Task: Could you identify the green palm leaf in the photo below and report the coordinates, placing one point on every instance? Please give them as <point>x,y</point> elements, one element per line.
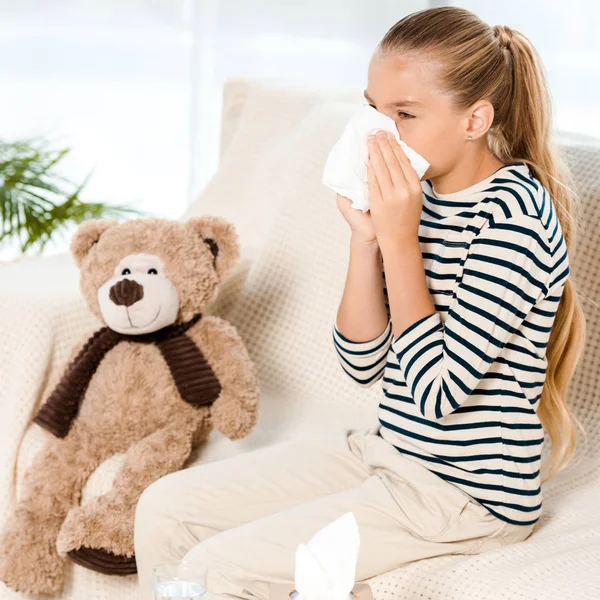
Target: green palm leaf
<point>36,202</point>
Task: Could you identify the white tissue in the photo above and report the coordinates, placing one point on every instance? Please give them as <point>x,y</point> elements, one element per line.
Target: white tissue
<point>346,167</point>
<point>326,565</point>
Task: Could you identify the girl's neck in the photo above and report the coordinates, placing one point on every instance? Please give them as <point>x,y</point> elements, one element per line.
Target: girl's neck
<point>466,173</point>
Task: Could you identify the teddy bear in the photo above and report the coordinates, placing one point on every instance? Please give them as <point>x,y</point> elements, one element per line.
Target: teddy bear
<point>151,384</point>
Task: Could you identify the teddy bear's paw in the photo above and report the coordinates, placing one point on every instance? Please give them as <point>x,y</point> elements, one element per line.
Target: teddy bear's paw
<point>99,536</point>
<point>33,568</point>
<point>231,420</point>
<point>103,561</point>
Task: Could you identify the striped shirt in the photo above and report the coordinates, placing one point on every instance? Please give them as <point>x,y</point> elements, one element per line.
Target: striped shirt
<point>461,386</point>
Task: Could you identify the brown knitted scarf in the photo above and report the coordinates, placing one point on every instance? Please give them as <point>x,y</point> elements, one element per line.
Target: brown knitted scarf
<point>193,376</point>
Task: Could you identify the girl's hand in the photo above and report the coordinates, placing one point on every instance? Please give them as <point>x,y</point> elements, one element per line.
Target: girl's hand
<point>360,222</point>
<point>395,194</point>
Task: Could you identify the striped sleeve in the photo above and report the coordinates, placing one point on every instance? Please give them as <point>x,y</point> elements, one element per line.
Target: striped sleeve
<point>364,362</point>
<point>506,272</point>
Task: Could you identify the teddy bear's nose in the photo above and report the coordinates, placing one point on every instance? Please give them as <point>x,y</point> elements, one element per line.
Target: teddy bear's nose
<point>126,292</point>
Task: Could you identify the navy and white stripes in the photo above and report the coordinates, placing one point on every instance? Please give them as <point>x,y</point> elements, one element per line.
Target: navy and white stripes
<point>462,385</point>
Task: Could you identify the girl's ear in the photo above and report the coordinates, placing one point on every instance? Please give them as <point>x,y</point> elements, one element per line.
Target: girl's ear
<point>221,240</point>
<point>86,235</point>
<point>481,118</point>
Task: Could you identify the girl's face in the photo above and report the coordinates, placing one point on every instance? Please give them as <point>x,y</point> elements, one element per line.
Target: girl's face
<point>404,89</point>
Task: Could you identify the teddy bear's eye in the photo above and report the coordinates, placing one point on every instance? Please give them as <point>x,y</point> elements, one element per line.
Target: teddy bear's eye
<point>125,272</point>
<point>152,272</point>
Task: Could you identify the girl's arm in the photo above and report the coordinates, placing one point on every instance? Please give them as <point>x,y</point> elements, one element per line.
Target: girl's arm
<point>362,333</point>
<point>408,291</point>
<point>508,270</point>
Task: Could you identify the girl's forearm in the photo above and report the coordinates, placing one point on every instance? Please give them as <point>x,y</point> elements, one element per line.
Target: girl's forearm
<point>362,315</point>
<point>408,293</point>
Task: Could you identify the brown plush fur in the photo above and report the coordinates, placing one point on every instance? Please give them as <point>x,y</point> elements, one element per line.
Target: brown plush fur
<point>131,406</point>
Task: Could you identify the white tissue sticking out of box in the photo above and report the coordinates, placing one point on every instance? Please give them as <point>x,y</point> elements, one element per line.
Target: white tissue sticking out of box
<point>326,564</point>
<point>346,166</point>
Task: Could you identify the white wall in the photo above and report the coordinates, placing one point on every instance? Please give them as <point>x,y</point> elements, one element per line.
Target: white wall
<point>566,35</point>
<point>134,86</point>
<point>317,42</point>
<point>111,80</point>
<point>331,42</point>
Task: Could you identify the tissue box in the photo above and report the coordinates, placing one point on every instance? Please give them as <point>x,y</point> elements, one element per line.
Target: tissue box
<point>282,591</point>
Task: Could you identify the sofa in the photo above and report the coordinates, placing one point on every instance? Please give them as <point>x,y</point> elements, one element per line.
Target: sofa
<point>283,298</point>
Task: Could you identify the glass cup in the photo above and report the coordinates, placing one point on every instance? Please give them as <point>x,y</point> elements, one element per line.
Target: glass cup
<point>179,581</point>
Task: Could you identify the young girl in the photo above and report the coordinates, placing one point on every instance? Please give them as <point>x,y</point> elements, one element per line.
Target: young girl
<point>458,295</point>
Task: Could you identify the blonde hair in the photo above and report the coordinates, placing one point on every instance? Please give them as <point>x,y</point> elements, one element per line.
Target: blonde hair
<point>477,61</point>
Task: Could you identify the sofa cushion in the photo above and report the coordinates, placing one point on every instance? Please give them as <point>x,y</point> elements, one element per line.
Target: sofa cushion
<point>584,389</point>
<point>260,117</point>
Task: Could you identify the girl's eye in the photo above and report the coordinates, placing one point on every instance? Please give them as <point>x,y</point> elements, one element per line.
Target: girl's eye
<point>125,272</point>
<point>407,115</point>
<point>152,272</point>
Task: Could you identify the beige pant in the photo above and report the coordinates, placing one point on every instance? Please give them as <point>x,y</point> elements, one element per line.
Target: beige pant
<point>242,518</point>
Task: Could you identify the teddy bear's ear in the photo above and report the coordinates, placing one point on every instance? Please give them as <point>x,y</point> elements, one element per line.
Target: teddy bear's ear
<point>222,240</point>
<point>86,235</point>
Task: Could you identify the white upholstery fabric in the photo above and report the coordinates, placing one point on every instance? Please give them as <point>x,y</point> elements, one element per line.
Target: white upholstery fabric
<point>283,300</point>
